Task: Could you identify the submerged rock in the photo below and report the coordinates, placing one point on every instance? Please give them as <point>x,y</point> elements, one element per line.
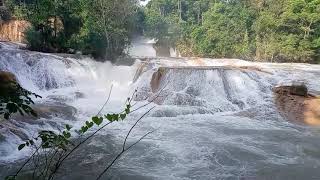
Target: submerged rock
<point>49,111</point>
<point>66,98</point>
<point>48,114</point>
<point>45,71</point>
<point>13,128</point>
<point>296,105</point>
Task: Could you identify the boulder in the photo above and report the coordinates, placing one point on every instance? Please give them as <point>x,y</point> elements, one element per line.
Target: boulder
<point>8,83</point>
<point>141,69</point>
<point>298,90</point>
<point>156,79</point>
<point>6,78</point>
<point>66,98</point>
<point>79,95</point>
<point>297,105</point>
<point>47,111</point>
<point>13,128</point>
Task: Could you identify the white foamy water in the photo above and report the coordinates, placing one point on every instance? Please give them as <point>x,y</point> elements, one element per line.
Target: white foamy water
<point>215,120</point>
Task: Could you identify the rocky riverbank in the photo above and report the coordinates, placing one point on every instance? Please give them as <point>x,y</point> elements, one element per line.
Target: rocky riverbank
<point>298,105</point>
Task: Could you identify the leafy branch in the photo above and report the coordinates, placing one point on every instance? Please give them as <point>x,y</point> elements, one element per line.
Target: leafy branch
<point>59,146</point>
<point>14,98</point>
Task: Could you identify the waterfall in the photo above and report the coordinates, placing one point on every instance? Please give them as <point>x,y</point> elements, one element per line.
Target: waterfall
<point>64,84</point>
<point>213,118</point>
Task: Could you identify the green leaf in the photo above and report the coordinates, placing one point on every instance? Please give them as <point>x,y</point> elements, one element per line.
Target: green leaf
<point>21,146</point>
<point>89,124</point>
<point>45,145</point>
<point>84,129</point>
<point>68,127</point>
<point>10,178</point>
<point>109,117</point>
<point>123,116</point>
<point>127,110</point>
<point>12,107</point>
<point>115,117</point>
<point>66,134</point>
<point>97,120</point>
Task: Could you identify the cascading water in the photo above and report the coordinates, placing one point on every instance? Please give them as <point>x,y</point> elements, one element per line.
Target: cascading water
<point>63,83</point>
<point>214,119</point>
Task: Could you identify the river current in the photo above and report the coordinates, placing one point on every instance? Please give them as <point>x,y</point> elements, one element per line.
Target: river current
<point>213,119</point>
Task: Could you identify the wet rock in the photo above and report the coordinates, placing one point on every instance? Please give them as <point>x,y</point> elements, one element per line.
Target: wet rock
<point>185,100</point>
<point>46,114</point>
<point>160,98</point>
<point>298,90</point>
<point>2,138</point>
<point>141,69</point>
<point>79,95</point>
<point>192,91</point>
<point>19,133</point>
<point>296,105</point>
<point>6,77</point>
<point>49,111</point>
<point>9,126</point>
<point>60,110</point>
<point>8,82</point>
<point>66,98</point>
<point>239,103</point>
<point>156,79</point>
<point>59,98</point>
<point>38,67</point>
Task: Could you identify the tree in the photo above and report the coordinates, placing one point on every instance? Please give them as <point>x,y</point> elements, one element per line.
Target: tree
<point>98,27</point>
<point>224,32</point>
<point>110,21</point>
<point>263,30</point>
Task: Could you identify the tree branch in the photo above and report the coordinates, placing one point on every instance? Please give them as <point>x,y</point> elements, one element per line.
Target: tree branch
<point>135,124</point>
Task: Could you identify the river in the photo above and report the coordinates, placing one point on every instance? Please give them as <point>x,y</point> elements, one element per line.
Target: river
<point>213,119</point>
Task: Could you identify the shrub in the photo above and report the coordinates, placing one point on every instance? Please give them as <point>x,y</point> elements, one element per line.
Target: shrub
<point>34,39</point>
<point>5,14</point>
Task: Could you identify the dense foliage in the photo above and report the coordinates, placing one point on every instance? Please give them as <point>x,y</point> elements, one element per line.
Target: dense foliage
<point>98,27</point>
<point>5,14</point>
<point>263,30</point>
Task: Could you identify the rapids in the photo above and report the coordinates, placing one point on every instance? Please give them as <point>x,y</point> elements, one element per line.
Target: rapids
<point>213,119</point>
